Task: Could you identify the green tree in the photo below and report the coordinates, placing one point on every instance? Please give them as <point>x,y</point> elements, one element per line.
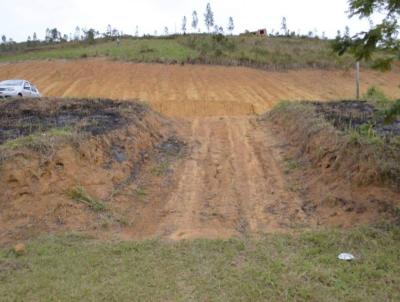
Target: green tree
<point>77,34</point>
<point>4,39</point>
<point>108,31</point>
<point>383,36</point>
<point>231,25</point>
<point>284,26</point>
<point>55,35</point>
<point>195,20</point>
<point>184,22</point>
<point>209,17</point>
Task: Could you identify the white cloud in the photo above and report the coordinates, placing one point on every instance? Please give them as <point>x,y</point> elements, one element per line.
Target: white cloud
<point>21,18</point>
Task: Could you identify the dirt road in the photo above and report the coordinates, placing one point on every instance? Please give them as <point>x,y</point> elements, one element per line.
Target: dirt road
<point>194,90</point>
<point>232,184</point>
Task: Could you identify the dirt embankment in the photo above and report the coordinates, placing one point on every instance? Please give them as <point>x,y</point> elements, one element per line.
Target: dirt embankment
<point>194,90</point>
<point>63,163</point>
<point>344,173</point>
<point>120,170</point>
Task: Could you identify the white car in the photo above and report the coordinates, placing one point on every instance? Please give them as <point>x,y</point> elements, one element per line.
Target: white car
<point>18,88</point>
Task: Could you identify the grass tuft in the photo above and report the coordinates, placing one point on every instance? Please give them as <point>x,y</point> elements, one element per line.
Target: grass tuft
<point>80,195</point>
<point>39,141</point>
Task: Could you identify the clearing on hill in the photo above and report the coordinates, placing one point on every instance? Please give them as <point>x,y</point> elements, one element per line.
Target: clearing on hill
<point>194,90</point>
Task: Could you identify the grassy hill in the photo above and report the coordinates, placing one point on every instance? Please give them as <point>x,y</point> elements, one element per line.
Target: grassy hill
<point>267,53</point>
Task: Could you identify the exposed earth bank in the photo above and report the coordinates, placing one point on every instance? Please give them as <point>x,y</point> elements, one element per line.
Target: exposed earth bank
<point>120,170</point>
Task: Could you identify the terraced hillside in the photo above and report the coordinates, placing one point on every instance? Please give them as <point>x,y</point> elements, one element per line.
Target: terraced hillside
<point>194,90</point>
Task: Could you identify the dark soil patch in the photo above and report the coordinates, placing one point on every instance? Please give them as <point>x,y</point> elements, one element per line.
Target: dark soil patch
<point>172,146</point>
<point>95,116</point>
<point>353,114</point>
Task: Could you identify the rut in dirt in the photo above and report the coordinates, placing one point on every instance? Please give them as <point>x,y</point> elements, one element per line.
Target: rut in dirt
<point>232,184</point>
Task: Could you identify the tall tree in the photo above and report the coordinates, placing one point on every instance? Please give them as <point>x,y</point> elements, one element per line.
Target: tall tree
<point>209,17</point>
<point>77,34</point>
<point>381,36</point>
<point>231,25</point>
<point>48,35</point>
<point>166,30</point>
<point>284,26</point>
<point>347,31</point>
<point>4,39</point>
<point>108,31</point>
<point>184,22</point>
<point>195,20</point>
<point>137,31</point>
<point>34,39</point>
<point>90,35</point>
<point>55,35</point>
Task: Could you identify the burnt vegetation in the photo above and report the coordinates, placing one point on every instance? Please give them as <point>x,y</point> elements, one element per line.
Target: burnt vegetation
<point>19,118</point>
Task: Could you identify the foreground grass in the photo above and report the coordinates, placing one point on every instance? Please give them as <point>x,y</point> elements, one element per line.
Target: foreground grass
<point>275,268</point>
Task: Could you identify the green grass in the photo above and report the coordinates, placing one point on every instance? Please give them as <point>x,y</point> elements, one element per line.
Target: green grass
<point>143,50</point>
<point>80,195</point>
<point>275,268</point>
<point>270,53</point>
<point>38,140</point>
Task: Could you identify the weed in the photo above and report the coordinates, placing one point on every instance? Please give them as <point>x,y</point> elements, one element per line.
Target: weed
<point>80,195</point>
<point>39,141</point>
<point>141,192</point>
<point>160,169</point>
<point>365,134</point>
<point>290,165</point>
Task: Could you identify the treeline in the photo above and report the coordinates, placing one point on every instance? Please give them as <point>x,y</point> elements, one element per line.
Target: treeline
<point>54,35</point>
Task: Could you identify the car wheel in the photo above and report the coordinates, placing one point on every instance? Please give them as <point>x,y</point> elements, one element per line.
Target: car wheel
<point>20,95</point>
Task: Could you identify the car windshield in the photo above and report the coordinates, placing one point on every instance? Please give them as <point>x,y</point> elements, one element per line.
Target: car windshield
<point>11,83</point>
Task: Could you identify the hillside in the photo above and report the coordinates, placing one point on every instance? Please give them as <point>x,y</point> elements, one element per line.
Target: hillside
<point>267,53</point>
<point>194,90</point>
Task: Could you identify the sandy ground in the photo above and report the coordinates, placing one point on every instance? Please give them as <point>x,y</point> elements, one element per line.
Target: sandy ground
<point>232,184</point>
<point>194,90</point>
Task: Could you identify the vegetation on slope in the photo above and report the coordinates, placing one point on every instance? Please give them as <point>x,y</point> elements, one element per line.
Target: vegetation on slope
<point>353,136</point>
<point>268,53</point>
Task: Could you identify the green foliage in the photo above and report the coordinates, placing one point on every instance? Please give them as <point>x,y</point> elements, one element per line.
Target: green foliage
<point>80,195</point>
<point>383,36</point>
<point>365,134</point>
<point>377,97</point>
<point>209,17</point>
<point>270,53</point>
<point>40,140</point>
<point>301,267</point>
<point>389,109</point>
<point>393,112</point>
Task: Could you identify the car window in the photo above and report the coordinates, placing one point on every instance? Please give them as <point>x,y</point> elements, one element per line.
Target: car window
<point>27,86</point>
<point>11,83</point>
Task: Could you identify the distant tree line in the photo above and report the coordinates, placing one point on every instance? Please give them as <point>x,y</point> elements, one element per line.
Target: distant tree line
<point>53,35</point>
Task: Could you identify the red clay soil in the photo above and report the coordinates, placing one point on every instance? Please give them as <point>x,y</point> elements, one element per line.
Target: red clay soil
<point>194,90</point>
<point>220,174</point>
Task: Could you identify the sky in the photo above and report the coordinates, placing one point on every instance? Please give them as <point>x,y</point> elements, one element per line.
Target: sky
<point>21,18</point>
